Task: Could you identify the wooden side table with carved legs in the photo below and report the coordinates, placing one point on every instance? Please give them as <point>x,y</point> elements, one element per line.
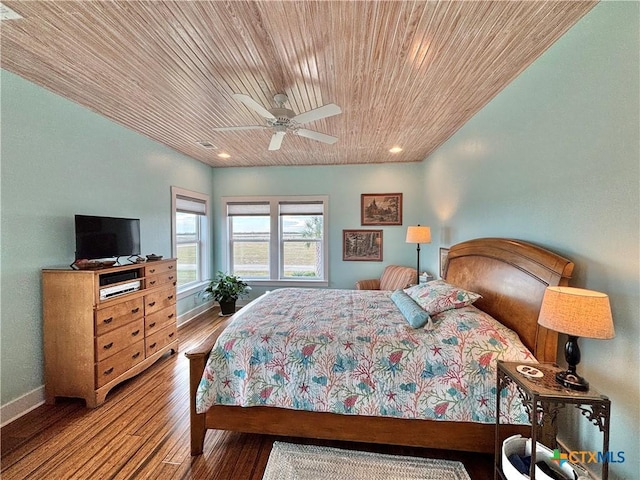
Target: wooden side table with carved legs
<point>543,398</point>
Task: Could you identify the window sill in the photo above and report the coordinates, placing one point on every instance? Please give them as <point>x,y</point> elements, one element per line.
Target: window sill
<point>288,283</point>
<point>192,289</point>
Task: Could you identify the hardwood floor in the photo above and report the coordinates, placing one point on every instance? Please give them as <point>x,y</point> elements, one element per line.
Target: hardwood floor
<point>142,431</point>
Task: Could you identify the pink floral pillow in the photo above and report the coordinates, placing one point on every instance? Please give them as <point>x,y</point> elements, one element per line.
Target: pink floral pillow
<point>439,296</point>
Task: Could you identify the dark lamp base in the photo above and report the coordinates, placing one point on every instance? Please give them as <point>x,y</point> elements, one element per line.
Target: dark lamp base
<point>571,380</point>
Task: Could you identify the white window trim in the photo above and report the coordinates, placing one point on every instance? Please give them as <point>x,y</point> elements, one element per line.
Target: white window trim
<point>193,288</point>
<point>274,261</point>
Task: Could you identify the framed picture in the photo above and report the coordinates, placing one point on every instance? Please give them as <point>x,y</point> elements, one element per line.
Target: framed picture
<point>381,209</point>
<point>443,260</point>
<point>362,245</point>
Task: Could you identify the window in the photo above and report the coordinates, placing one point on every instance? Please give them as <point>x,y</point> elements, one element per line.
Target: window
<point>190,233</point>
<point>277,239</point>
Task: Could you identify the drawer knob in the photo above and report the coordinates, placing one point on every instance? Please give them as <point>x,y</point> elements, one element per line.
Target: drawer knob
<point>108,346</point>
<point>151,325</point>
<point>108,371</point>
<point>171,335</point>
<point>133,334</point>
<point>170,315</point>
<point>153,345</point>
<point>153,270</point>
<point>135,355</point>
<point>135,310</point>
<point>169,297</point>
<point>151,304</point>
<point>170,267</point>
<point>152,282</point>
<point>171,277</point>
<point>108,320</point>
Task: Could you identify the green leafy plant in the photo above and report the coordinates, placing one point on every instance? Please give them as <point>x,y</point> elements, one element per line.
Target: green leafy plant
<point>226,288</point>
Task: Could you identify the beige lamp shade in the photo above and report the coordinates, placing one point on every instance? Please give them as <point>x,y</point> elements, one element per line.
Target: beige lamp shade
<point>418,234</point>
<point>577,312</point>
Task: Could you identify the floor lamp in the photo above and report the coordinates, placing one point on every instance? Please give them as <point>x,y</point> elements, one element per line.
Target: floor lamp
<point>418,235</point>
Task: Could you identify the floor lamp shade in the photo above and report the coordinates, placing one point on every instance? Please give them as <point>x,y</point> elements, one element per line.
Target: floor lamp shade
<point>418,234</point>
<point>578,313</point>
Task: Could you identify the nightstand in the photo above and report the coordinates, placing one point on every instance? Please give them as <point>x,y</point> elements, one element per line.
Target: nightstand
<point>542,398</point>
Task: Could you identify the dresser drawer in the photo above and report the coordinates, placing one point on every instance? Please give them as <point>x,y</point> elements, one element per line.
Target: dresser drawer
<point>159,299</point>
<point>158,320</point>
<point>159,339</point>
<point>112,342</point>
<point>156,268</point>
<point>162,279</point>
<point>117,364</point>
<point>115,316</point>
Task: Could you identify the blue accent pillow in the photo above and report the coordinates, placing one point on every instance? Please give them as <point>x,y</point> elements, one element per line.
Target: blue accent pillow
<point>416,316</point>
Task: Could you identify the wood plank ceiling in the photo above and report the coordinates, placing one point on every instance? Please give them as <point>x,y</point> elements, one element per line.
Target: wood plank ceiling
<point>405,73</point>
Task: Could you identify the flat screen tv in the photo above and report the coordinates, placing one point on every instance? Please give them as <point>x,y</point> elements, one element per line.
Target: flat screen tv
<point>106,237</point>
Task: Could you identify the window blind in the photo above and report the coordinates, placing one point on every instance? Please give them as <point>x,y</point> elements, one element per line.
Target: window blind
<point>190,205</point>
<point>248,209</point>
<point>301,208</point>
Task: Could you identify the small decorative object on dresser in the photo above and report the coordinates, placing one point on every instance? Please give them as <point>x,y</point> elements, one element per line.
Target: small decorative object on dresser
<point>104,326</point>
<point>226,289</point>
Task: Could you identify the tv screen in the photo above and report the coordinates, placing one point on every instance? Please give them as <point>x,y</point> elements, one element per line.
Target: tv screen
<point>105,237</point>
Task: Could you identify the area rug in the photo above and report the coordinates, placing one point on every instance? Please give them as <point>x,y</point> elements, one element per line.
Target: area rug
<point>289,461</point>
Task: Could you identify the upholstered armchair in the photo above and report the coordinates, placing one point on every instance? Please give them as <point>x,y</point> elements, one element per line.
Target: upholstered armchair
<point>394,277</point>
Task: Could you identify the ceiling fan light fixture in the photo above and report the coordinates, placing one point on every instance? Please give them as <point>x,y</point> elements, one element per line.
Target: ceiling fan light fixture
<point>282,120</point>
<point>395,149</point>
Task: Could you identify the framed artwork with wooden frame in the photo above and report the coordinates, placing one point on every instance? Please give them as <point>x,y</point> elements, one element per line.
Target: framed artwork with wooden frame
<point>362,245</point>
<point>381,209</point>
<point>444,252</point>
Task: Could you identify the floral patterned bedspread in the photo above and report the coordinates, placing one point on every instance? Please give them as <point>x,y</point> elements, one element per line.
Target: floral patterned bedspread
<point>352,352</point>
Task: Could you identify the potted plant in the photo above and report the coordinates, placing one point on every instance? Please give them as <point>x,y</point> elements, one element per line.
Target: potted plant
<point>226,289</point>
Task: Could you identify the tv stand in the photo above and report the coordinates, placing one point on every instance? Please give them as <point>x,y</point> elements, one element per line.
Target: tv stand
<point>94,341</point>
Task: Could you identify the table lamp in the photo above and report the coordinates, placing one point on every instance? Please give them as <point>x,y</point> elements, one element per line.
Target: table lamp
<point>578,313</point>
<point>418,234</point>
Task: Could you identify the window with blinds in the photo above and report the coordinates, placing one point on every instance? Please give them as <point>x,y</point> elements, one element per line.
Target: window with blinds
<point>277,238</point>
<point>190,236</point>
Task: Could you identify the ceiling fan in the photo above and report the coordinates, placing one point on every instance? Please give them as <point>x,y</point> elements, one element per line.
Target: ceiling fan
<point>283,120</point>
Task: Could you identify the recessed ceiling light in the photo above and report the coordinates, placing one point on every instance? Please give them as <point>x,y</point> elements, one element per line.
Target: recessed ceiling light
<point>395,150</point>
<point>224,155</point>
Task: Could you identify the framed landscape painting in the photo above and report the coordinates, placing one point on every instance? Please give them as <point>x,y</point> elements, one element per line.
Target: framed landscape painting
<point>381,208</point>
<point>362,245</point>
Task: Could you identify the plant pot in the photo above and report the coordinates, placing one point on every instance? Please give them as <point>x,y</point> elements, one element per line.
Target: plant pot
<point>227,308</point>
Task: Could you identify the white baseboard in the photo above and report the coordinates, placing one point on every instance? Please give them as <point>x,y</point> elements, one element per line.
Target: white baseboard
<point>193,313</point>
<point>21,406</point>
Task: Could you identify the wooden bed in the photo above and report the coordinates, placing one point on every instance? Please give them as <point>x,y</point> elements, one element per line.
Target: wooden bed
<point>510,275</point>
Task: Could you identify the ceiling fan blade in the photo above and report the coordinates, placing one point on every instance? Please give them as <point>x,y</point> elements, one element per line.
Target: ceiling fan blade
<point>240,127</point>
<point>252,104</point>
<point>276,141</point>
<point>320,137</point>
<point>324,111</point>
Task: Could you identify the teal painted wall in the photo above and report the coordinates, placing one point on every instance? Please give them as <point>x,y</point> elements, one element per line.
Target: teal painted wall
<point>59,159</point>
<point>343,185</point>
<point>554,159</point>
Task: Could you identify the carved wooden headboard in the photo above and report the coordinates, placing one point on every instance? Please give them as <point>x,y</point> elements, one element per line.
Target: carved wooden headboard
<point>511,276</point>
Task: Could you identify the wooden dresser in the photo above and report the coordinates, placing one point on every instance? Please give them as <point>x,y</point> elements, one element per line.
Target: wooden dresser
<point>104,326</point>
